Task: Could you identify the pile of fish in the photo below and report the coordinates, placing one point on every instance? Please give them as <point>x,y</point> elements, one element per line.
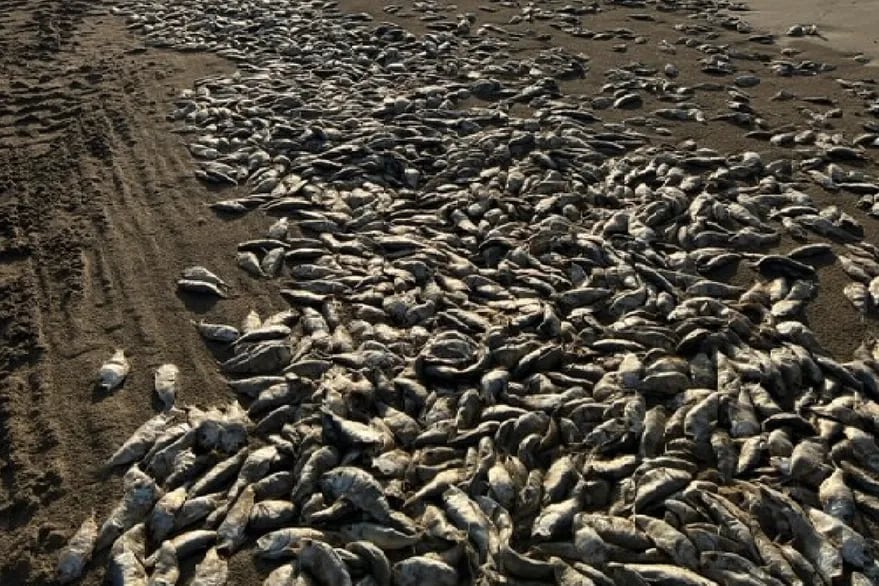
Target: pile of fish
<point>507,356</point>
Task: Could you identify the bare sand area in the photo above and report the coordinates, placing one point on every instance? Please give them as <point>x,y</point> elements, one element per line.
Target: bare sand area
<point>848,26</point>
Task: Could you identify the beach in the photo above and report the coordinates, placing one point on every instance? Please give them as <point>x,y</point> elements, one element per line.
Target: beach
<point>100,210</point>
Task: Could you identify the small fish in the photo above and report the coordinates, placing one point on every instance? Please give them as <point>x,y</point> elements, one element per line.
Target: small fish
<point>187,544</point>
<point>250,263</point>
<point>360,488</point>
<point>126,555</point>
<point>200,287</point>
<point>381,535</point>
<point>375,558</point>
<point>284,543</point>
<point>273,260</point>
<point>211,571</point>
<point>837,498</point>
<point>278,230</point>
<point>166,571</point>
<point>199,273</point>
<point>424,570</point>
<point>162,517</point>
<point>271,514</point>
<point>251,322</point>
<point>78,551</point>
<point>217,332</point>
<point>166,384</point>
<point>140,441</point>
<point>113,372</point>
<point>322,561</point>
<point>284,575</point>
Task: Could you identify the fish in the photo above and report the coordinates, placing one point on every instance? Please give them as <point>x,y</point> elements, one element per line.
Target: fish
<point>359,488</point>
<point>212,570</point>
<point>324,563</point>
<point>166,384</point>
<point>201,287</point>
<point>217,332</point>
<point>78,551</point>
<point>140,442</point>
<point>114,371</point>
<point>200,273</point>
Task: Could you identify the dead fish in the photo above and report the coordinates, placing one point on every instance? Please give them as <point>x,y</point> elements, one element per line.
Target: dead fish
<point>376,560</point>
<point>113,372</point>
<point>324,563</point>
<point>657,574</point>
<point>211,571</point>
<point>271,514</point>
<point>285,543</point>
<point>358,487</point>
<point>272,261</point>
<point>126,555</point>
<point>837,498</point>
<point>199,273</point>
<point>166,384</point>
<point>166,571</point>
<point>278,230</point>
<point>217,332</point>
<point>200,288</point>
<point>424,571</point>
<point>197,508</point>
<point>221,474</point>
<point>556,519</point>
<point>143,438</point>
<point>251,322</point>
<point>164,514</point>
<point>261,358</point>
<point>588,544</point>
<point>187,544</point>
<point>467,516</point>
<point>255,385</point>
<point>387,538</point>
<point>671,541</point>
<point>250,263</point>
<point>853,547</point>
<point>859,296</point>
<point>230,533</point>
<point>313,468</point>
<point>78,551</point>
<point>658,483</point>
<point>141,493</point>
<point>283,575</point>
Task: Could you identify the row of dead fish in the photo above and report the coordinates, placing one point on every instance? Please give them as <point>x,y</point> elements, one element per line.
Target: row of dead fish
<point>508,357</point>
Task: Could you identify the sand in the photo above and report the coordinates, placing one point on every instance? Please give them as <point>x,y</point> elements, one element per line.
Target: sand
<point>848,26</point>
<point>99,211</point>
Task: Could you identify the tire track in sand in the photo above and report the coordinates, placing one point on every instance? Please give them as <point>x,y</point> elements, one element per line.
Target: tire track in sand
<point>98,213</point>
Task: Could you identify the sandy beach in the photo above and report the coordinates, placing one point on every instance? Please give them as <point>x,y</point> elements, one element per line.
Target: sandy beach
<point>100,212</point>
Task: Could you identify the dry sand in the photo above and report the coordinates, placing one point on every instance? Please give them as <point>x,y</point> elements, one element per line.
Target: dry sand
<point>848,26</point>
<point>99,211</point>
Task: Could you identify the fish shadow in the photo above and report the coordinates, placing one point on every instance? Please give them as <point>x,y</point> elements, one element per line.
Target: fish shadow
<point>100,394</point>
<point>725,273</point>
<point>220,352</point>
<point>197,303</point>
<point>228,216</point>
<point>820,261</point>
